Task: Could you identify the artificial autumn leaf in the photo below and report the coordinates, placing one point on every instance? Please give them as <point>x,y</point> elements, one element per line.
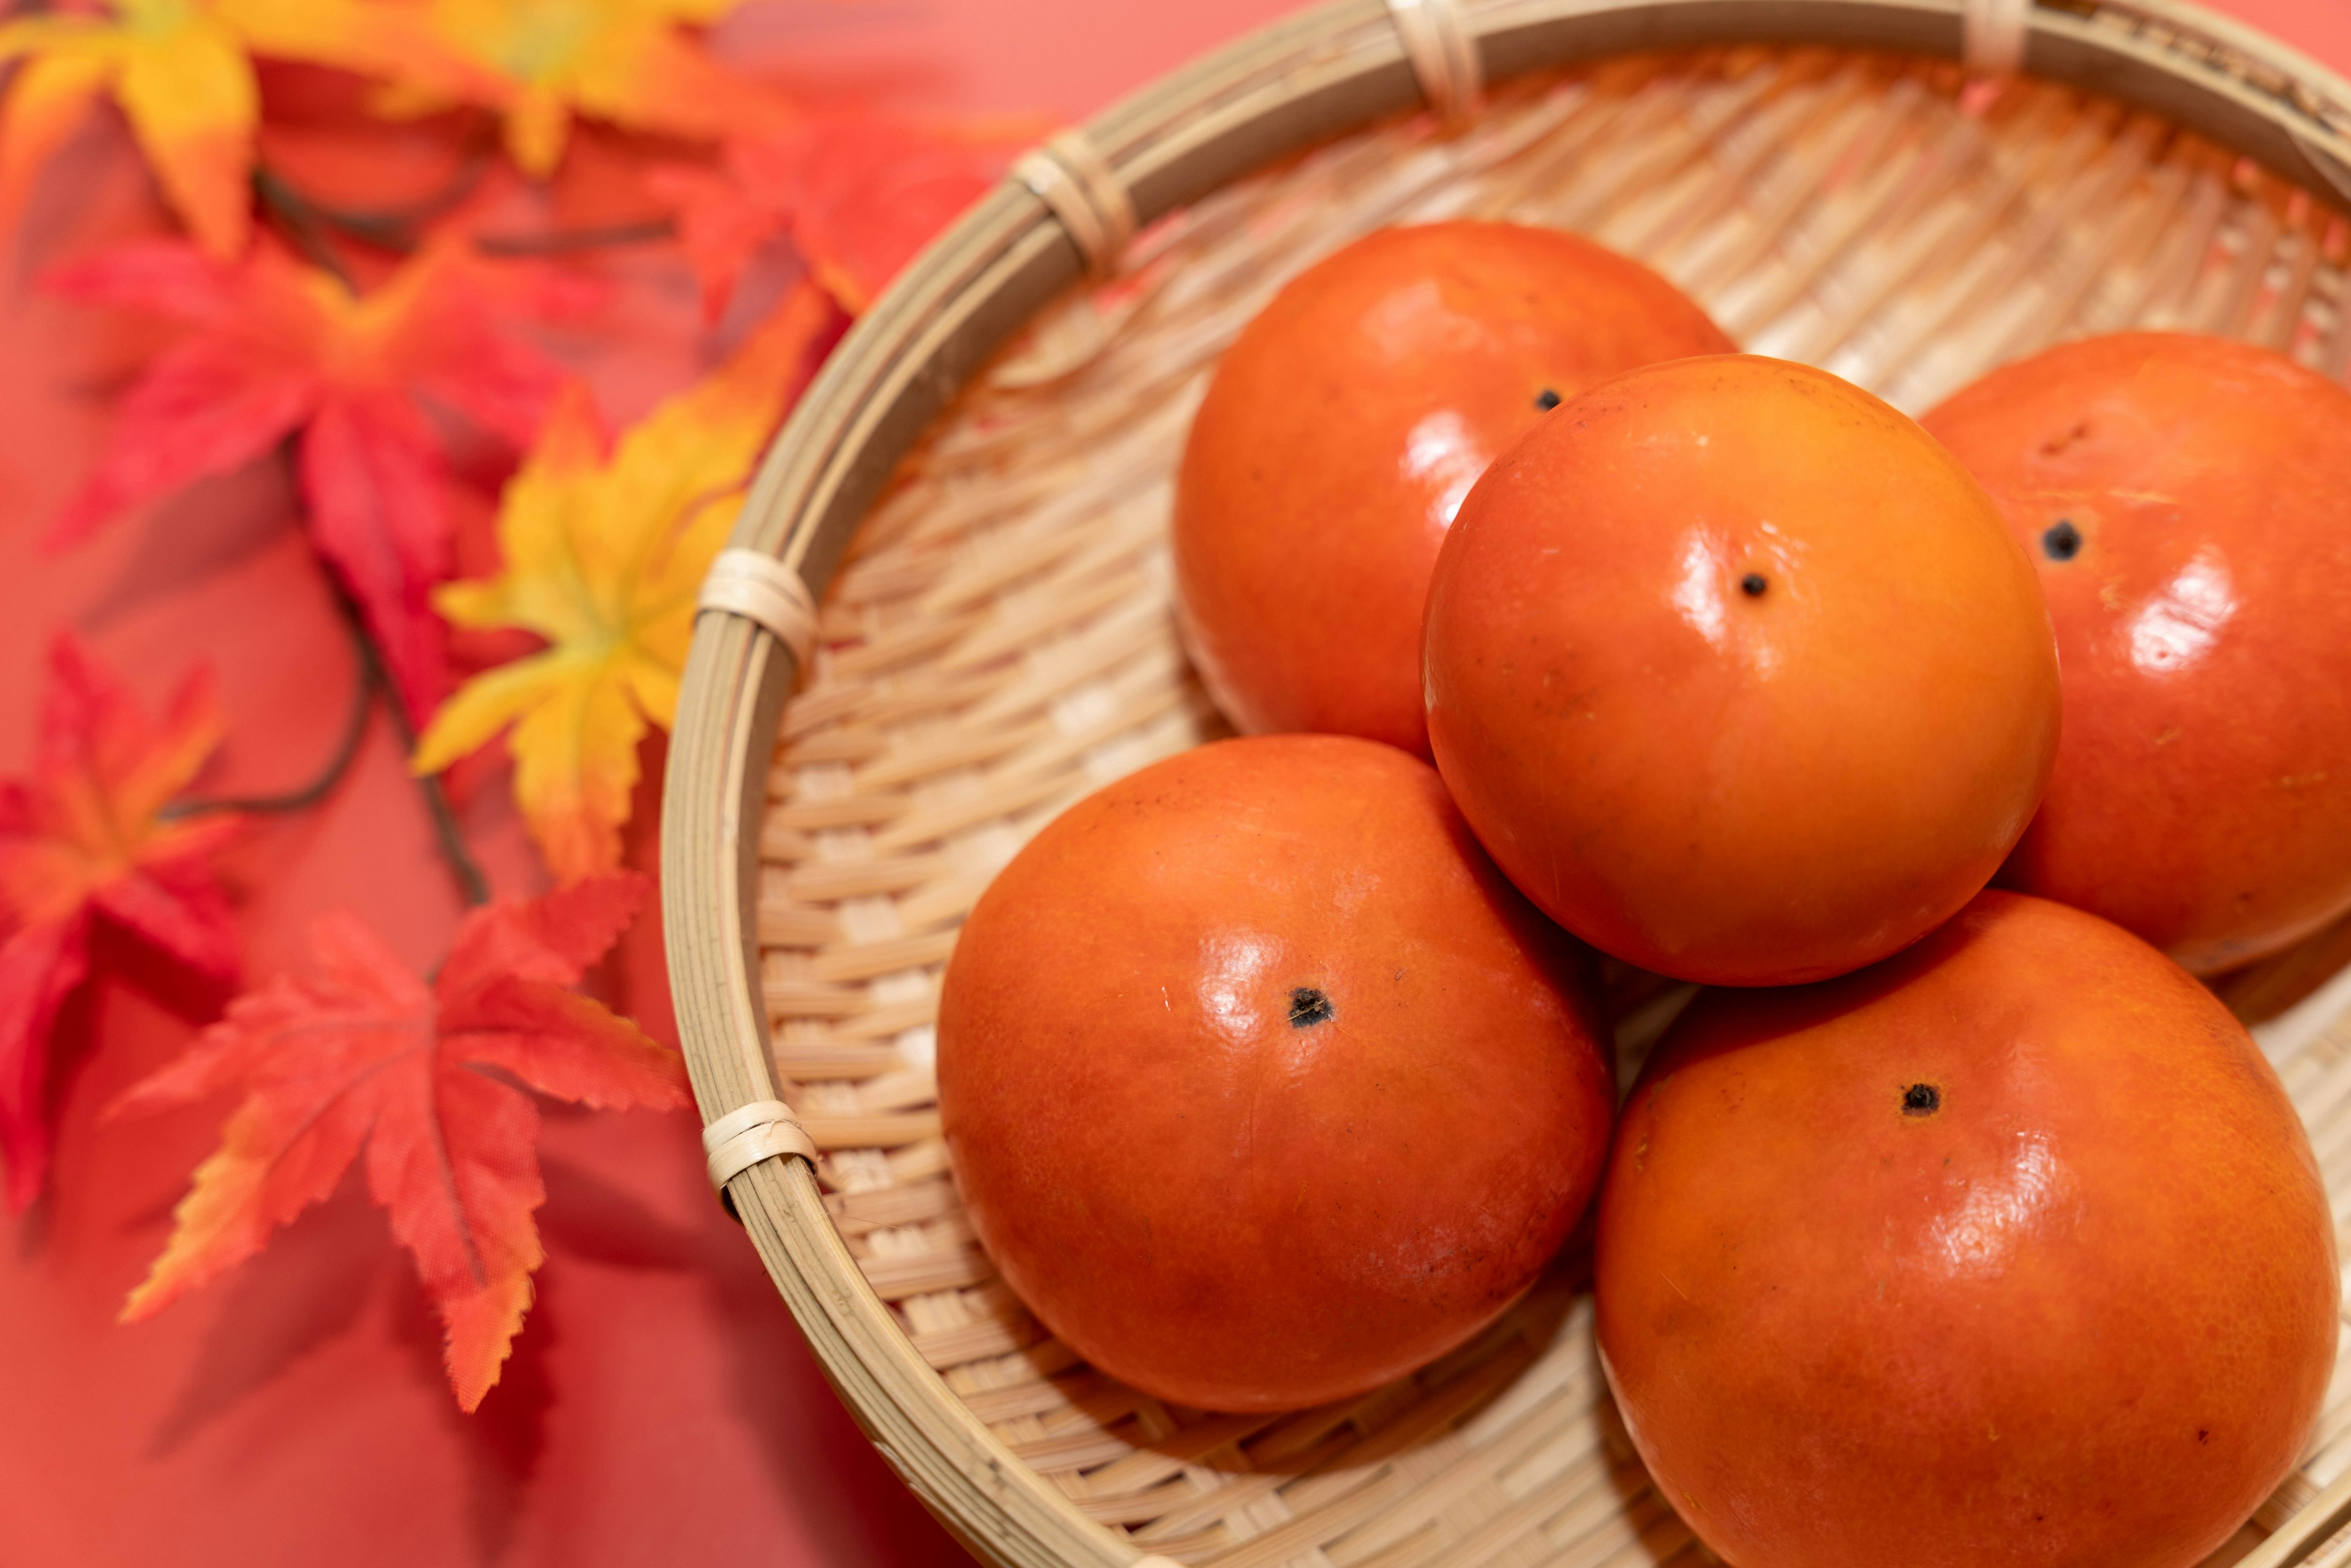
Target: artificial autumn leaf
<point>182,72</point>
<point>365,1053</point>
<point>602,558</point>
<point>279,347</point>
<point>181,77</point>
<point>622,60</point>
<point>82,841</point>
<point>859,195</point>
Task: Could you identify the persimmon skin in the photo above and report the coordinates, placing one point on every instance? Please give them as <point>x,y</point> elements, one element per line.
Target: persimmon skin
<point>2202,796</point>
<point>1261,1086</point>
<point>2080,1313</point>
<point>1738,674</point>
<point>1342,428</point>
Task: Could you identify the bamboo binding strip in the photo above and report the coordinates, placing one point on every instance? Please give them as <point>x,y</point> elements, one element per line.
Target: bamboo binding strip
<point>1068,175</point>
<point>997,643</point>
<point>1992,40</point>
<point>766,593</point>
<point>763,1130</point>
<point>1442,52</point>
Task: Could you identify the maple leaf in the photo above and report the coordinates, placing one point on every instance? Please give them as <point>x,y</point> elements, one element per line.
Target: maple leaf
<point>82,842</point>
<point>182,73</point>
<point>537,61</point>
<point>363,1053</point>
<point>859,193</point>
<point>280,348</point>
<point>602,558</point>
<point>182,80</point>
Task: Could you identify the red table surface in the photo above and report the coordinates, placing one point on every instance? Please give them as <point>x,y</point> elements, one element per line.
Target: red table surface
<point>660,1406</point>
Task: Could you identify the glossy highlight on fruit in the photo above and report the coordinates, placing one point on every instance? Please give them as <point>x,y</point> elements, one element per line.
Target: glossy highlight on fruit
<point>1260,1084</point>
<point>1738,674</point>
<point>2187,503</point>
<point>1344,427</point>
<point>2009,1249</point>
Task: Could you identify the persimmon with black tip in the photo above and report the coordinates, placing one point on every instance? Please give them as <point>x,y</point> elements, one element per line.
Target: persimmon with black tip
<point>2187,503</point>
<point>1738,674</point>
<point>2009,1249</point>
<point>1261,1085</point>
<point>1342,428</point>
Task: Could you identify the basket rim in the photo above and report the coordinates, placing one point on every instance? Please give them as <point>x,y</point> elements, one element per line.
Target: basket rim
<point>1299,79</point>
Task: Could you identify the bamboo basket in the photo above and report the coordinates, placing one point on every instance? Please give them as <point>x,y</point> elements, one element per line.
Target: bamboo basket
<point>978,485</point>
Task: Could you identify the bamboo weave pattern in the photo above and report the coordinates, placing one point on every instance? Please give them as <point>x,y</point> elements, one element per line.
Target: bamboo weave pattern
<point>1000,643</point>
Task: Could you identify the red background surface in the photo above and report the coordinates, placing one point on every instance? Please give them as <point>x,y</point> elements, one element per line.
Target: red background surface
<point>660,1406</point>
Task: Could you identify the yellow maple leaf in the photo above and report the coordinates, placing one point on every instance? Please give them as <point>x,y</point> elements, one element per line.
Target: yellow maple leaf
<point>603,556</point>
<point>182,73</point>
<point>622,60</point>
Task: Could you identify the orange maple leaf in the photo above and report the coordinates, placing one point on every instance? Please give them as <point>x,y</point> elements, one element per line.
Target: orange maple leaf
<point>279,347</point>
<point>603,560</point>
<point>84,840</point>
<point>182,72</point>
<point>367,1055</point>
<point>859,193</point>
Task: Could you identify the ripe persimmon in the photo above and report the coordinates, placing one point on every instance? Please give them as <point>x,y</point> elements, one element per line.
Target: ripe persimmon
<point>1738,674</point>
<point>1341,431</point>
<point>2188,502</point>
<point>2009,1249</point>
<point>1261,1085</point>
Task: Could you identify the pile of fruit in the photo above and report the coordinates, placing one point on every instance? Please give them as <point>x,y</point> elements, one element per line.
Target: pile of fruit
<point>1946,1225</point>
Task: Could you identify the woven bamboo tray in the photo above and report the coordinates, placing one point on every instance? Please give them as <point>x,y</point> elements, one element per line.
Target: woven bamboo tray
<point>978,484</point>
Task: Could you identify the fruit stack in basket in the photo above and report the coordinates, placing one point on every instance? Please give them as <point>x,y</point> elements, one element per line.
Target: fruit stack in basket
<point>1949,1224</point>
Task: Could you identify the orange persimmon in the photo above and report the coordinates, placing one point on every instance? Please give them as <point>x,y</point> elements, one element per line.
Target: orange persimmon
<point>2187,501</point>
<point>1341,431</point>
<point>1738,674</point>
<point>1262,1087</point>
<point>2009,1249</point>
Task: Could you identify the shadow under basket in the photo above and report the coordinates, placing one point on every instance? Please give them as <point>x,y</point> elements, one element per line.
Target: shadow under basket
<point>978,486</point>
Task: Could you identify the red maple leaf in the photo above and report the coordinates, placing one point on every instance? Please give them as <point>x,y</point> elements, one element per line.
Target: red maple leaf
<point>82,842</point>
<point>367,1054</point>
<point>859,193</point>
<point>280,348</point>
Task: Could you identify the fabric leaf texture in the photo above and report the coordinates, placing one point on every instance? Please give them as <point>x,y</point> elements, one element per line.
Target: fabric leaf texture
<point>182,80</point>
<point>278,348</point>
<point>603,557</point>
<point>182,72</point>
<point>858,193</point>
<point>361,1058</point>
<point>83,840</point>
<point>539,62</point>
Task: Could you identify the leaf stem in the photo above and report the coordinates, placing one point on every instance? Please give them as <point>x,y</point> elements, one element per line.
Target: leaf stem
<point>559,242</point>
<point>395,228</point>
<point>307,220</point>
<point>301,223</point>
<point>318,789</point>
<point>445,831</point>
<point>452,840</point>
<point>388,228</point>
<point>373,679</point>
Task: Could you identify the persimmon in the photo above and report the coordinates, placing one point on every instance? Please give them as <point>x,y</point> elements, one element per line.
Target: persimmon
<point>1341,431</point>
<point>1261,1085</point>
<point>2188,502</point>
<point>2009,1249</point>
<point>1738,674</point>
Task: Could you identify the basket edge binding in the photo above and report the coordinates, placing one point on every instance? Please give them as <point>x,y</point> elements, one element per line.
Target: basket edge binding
<point>1283,88</point>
